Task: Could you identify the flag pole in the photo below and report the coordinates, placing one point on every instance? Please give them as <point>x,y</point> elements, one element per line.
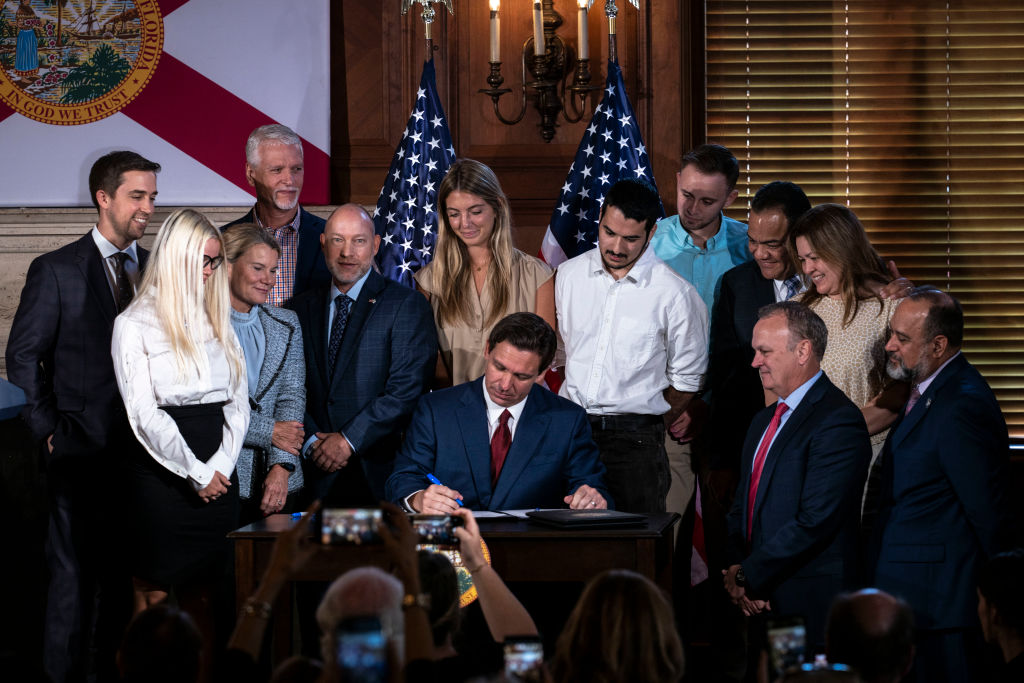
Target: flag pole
<point>611,11</point>
<point>428,14</point>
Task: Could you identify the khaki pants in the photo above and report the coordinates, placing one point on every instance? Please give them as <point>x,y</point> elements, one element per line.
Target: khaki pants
<point>683,480</point>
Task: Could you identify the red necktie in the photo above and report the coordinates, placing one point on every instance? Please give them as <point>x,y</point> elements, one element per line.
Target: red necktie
<point>762,451</point>
<point>500,443</point>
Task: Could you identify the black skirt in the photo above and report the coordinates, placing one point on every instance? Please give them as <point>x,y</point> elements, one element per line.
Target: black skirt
<point>174,536</point>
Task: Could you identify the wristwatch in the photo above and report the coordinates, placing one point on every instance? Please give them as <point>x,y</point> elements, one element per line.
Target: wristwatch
<point>288,466</point>
<point>741,578</point>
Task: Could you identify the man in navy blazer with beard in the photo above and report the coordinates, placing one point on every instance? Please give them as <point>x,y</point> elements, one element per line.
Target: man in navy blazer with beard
<point>502,441</point>
<point>793,526</point>
<point>944,503</point>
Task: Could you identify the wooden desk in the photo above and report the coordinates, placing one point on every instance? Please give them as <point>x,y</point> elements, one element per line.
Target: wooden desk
<point>521,551</point>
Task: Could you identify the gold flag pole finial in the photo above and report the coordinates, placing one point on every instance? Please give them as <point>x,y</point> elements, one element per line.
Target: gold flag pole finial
<point>611,11</point>
<point>428,15</point>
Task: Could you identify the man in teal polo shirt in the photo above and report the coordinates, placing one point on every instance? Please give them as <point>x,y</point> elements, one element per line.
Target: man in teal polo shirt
<point>701,244</point>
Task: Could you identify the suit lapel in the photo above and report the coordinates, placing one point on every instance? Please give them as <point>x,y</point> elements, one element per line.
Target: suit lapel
<point>305,255</point>
<point>91,264</point>
<point>361,312</point>
<point>764,289</point>
<point>793,426</point>
<point>907,423</point>
<point>533,425</point>
<point>472,421</point>
<point>316,334</point>
<point>278,336</point>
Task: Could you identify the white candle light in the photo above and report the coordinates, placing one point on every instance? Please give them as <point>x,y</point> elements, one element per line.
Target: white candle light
<point>584,47</point>
<point>538,29</point>
<point>495,32</point>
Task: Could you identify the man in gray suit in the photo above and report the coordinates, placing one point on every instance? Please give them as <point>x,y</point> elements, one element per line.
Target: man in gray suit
<point>371,347</point>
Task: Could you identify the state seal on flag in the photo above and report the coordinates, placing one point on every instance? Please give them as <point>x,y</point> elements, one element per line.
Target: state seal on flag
<point>68,62</point>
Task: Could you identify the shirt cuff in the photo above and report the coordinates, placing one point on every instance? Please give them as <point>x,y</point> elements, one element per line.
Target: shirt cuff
<point>201,475</point>
<point>221,462</point>
<point>311,440</point>
<point>407,503</point>
<point>687,383</point>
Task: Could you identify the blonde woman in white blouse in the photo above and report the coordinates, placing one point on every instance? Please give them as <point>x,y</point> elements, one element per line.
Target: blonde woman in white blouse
<point>182,377</point>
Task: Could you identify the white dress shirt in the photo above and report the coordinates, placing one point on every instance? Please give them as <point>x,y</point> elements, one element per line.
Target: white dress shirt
<point>148,378</point>
<point>494,412</point>
<point>627,340</point>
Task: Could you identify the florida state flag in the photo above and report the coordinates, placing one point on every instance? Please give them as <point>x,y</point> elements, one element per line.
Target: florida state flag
<point>182,82</point>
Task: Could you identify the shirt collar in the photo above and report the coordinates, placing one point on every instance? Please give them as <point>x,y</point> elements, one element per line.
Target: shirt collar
<point>781,289</point>
<point>923,385</point>
<point>712,241</point>
<point>107,249</point>
<point>354,290</point>
<point>494,410</point>
<point>639,274</point>
<point>294,225</point>
<point>797,395</point>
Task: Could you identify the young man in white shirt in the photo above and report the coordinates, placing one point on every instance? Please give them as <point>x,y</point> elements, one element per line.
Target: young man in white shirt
<point>635,336</point>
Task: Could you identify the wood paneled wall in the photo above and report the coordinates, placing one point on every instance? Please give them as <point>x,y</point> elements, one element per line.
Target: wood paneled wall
<point>377,56</point>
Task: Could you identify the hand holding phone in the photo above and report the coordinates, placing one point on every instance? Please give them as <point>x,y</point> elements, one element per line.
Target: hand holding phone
<point>524,658</point>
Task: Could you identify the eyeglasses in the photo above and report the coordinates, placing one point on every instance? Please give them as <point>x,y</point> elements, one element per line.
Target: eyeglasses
<point>212,262</point>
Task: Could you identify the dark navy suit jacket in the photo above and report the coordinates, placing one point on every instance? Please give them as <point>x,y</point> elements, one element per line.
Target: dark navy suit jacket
<point>736,391</point>
<point>385,362</point>
<point>803,546</point>
<point>943,507</point>
<point>310,267</point>
<point>59,351</point>
<point>552,452</point>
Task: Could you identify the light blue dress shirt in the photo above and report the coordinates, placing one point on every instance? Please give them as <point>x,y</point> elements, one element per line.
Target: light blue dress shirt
<point>249,330</point>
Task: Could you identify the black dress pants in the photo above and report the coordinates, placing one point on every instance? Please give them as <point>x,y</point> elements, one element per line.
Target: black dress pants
<point>89,596</point>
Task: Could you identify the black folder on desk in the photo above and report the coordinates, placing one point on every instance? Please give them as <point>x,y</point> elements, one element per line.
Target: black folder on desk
<point>586,519</point>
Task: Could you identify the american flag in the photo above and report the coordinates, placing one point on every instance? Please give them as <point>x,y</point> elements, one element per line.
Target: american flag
<point>406,214</point>
<point>611,150</point>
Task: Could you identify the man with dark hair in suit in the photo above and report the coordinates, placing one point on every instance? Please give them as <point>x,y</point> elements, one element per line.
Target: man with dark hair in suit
<point>274,167</point>
<point>943,499</point>
<point>793,523</point>
<point>59,354</point>
<point>501,441</point>
<point>370,346</point>
<point>872,632</point>
<point>735,385</point>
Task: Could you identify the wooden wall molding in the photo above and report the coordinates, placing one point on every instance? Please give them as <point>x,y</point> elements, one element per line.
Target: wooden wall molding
<point>28,233</point>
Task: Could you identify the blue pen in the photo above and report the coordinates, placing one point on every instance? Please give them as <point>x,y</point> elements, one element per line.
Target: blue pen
<point>434,480</point>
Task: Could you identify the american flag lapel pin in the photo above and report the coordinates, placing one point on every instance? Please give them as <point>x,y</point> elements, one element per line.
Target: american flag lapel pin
<point>373,301</point>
